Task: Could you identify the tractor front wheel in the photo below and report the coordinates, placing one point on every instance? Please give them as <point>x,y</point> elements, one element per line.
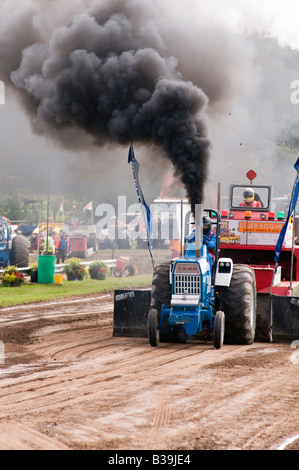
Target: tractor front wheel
<point>153,324</point>
<point>218,330</point>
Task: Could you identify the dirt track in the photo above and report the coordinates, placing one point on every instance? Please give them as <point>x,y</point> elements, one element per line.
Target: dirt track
<point>67,383</point>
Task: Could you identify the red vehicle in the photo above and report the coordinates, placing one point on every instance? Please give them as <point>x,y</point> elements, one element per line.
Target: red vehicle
<point>34,242</point>
<point>250,228</point>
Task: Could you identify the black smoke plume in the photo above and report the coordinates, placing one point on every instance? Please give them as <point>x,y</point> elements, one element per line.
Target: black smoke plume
<point>106,69</point>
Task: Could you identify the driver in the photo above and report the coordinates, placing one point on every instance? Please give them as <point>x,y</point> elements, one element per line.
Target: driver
<point>249,200</point>
<point>209,238</point>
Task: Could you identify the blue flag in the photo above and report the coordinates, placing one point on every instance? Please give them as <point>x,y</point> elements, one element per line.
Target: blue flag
<point>148,215</point>
<point>292,205</point>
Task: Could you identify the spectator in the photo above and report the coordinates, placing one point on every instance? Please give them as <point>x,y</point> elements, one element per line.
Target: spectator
<point>49,247</point>
<point>62,247</point>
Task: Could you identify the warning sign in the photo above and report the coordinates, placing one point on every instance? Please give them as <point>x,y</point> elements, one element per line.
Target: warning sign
<point>260,227</point>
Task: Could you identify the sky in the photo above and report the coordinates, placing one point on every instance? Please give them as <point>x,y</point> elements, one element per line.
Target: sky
<point>277,17</point>
<point>23,153</point>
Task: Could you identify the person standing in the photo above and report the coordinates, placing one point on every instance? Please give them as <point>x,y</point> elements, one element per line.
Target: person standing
<point>49,246</point>
<point>62,247</point>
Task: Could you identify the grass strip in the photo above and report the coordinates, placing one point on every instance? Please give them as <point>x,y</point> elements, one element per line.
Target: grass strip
<point>29,293</point>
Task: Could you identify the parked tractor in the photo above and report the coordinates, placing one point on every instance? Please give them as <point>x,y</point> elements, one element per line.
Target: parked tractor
<point>14,249</point>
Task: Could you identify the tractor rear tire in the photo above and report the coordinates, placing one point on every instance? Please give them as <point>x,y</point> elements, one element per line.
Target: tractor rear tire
<point>19,253</point>
<point>161,294</point>
<point>153,324</point>
<point>161,289</point>
<point>238,302</point>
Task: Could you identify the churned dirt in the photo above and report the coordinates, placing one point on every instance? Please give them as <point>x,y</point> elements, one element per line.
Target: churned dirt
<point>68,383</point>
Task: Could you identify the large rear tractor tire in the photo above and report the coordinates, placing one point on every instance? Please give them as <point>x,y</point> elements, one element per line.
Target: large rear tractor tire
<point>161,289</point>
<point>19,253</point>
<point>238,302</point>
<point>161,294</point>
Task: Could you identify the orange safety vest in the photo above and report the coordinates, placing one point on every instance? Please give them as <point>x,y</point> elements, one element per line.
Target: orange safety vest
<point>58,241</point>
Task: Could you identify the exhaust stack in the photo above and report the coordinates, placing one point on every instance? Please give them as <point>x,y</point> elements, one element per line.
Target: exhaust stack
<point>198,228</point>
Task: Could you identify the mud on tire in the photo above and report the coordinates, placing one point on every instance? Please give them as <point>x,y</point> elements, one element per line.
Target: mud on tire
<point>238,301</point>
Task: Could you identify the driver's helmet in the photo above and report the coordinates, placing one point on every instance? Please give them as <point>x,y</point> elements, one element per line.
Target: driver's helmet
<point>248,195</point>
<point>207,224</point>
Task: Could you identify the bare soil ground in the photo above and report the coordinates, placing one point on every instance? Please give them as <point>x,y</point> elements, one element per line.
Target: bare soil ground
<point>67,383</point>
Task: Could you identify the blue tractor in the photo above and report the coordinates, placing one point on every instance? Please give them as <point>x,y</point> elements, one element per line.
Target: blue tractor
<point>14,249</point>
<point>5,241</point>
<point>193,297</point>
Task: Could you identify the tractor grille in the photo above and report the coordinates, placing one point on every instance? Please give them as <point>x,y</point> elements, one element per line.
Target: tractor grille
<point>187,284</point>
